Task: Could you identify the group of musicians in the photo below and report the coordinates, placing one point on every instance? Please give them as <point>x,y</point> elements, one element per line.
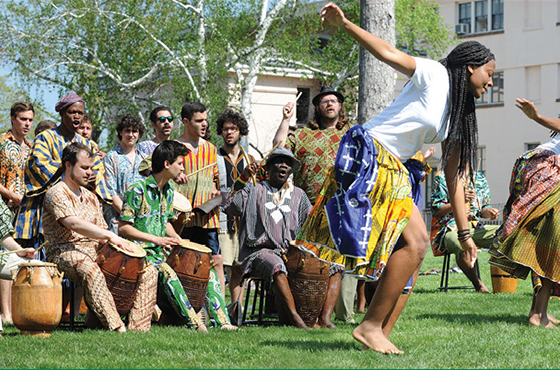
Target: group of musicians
<point>61,214</point>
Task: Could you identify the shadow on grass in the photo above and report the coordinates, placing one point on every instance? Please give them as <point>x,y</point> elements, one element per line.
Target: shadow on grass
<point>312,345</point>
<point>477,318</point>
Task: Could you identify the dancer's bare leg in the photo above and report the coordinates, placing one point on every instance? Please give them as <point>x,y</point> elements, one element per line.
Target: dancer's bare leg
<point>398,308</point>
<point>6,300</point>
<point>540,315</point>
<point>401,265</point>
<point>361,296</point>
<point>533,310</point>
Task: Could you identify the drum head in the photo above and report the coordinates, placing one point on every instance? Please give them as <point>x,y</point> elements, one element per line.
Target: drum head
<point>195,246</point>
<point>37,264</point>
<point>138,250</point>
<point>181,203</point>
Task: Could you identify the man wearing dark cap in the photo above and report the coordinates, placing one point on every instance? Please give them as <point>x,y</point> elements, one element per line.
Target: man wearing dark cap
<point>272,212</point>
<point>315,146</point>
<point>43,170</point>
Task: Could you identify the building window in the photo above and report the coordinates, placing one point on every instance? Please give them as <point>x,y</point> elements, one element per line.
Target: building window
<point>531,146</point>
<point>482,159</point>
<point>473,16</point>
<point>302,105</point>
<point>495,94</point>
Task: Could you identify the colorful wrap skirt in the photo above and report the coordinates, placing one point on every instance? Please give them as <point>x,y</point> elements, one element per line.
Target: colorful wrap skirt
<point>529,238</point>
<point>362,208</point>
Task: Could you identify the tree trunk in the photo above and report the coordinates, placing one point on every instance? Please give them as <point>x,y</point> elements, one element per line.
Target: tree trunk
<point>377,81</point>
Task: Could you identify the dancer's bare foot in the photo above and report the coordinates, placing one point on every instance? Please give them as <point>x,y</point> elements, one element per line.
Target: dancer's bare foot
<point>553,319</point>
<point>121,329</point>
<point>373,338</point>
<point>321,323</point>
<point>482,288</point>
<point>228,327</point>
<point>537,320</point>
<point>202,328</point>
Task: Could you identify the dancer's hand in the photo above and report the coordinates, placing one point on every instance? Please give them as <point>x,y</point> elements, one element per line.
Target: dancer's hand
<point>288,110</point>
<point>528,108</point>
<point>333,14</point>
<point>491,213</point>
<point>469,248</point>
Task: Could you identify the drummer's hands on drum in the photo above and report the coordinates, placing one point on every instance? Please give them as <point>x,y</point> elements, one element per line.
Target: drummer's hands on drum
<point>29,253</point>
<point>166,241</point>
<point>120,242</point>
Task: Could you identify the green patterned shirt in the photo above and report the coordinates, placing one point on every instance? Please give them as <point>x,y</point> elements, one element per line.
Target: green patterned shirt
<point>6,217</point>
<point>149,210</point>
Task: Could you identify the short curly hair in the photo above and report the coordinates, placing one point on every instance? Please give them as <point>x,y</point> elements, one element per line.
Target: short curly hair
<point>237,118</point>
<point>132,121</point>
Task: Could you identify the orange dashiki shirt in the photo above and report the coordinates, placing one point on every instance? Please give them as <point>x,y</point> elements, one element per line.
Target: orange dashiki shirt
<point>12,164</point>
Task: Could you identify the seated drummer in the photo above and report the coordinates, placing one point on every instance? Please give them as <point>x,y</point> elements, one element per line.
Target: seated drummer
<point>74,229</point>
<point>271,215</point>
<point>146,216</point>
<point>24,255</point>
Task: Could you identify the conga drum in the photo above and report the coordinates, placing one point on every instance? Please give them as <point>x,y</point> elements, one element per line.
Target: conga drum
<point>122,270</point>
<point>182,208</point>
<point>37,298</point>
<point>192,263</point>
<point>308,277</point>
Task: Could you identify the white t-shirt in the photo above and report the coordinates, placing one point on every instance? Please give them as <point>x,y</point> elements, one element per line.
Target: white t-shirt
<point>418,115</point>
<point>553,145</point>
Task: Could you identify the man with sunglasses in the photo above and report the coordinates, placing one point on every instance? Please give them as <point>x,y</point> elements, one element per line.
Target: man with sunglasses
<point>162,122</point>
<point>315,146</point>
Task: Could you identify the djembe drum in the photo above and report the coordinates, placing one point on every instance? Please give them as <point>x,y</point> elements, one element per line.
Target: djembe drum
<point>37,298</point>
<point>122,270</point>
<point>192,263</point>
<point>308,277</point>
<point>182,209</point>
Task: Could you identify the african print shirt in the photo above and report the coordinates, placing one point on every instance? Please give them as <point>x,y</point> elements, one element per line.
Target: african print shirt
<point>199,187</point>
<point>271,217</point>
<point>440,197</point>
<point>12,164</point>
<point>6,228</point>
<point>61,202</point>
<point>42,163</point>
<point>149,210</point>
<point>146,148</point>
<point>316,150</point>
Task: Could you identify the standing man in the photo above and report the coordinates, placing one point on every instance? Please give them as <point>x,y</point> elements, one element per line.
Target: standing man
<point>14,148</point>
<point>232,160</point>
<point>74,231</point>
<point>43,170</point>
<point>86,130</point>
<point>315,146</point>
<point>202,227</point>
<point>162,122</point>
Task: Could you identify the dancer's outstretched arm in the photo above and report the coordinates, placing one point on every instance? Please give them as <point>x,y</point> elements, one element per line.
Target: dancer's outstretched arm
<point>530,111</point>
<point>380,49</point>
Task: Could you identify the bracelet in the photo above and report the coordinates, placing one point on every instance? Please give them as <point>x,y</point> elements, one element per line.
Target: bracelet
<point>464,235</point>
<point>464,239</point>
<point>242,179</point>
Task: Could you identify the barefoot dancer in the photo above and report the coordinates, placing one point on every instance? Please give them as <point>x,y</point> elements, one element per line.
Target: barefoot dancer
<point>526,242</point>
<point>438,105</point>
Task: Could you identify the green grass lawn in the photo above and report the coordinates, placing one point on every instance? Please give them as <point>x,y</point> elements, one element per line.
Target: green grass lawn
<point>458,329</point>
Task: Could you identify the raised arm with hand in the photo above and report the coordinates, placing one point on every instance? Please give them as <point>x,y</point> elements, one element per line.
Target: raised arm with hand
<point>282,133</point>
<point>530,111</point>
<point>379,48</point>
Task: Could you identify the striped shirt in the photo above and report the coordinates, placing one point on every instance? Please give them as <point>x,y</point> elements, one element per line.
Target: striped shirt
<point>43,161</point>
<point>199,187</point>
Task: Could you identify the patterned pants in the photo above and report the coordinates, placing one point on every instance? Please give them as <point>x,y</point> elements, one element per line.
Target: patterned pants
<point>176,296</point>
<point>82,270</point>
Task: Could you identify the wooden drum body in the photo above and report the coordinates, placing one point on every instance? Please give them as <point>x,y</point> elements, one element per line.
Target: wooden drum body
<point>308,277</point>
<point>37,298</point>
<point>122,270</point>
<point>502,282</point>
<point>192,263</point>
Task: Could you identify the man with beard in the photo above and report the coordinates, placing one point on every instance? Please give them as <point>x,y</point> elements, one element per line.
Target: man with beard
<point>43,170</point>
<point>315,146</point>
<point>162,123</point>
<point>232,160</point>
<point>272,212</point>
<point>75,229</point>
<point>202,185</point>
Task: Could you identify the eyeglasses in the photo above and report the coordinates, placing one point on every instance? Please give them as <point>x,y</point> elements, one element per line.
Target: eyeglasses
<point>162,119</point>
<point>325,102</point>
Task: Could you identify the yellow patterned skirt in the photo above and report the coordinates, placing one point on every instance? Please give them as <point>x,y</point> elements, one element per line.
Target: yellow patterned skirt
<point>391,209</point>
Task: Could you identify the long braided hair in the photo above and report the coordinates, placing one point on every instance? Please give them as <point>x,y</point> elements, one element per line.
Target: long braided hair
<point>463,131</point>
